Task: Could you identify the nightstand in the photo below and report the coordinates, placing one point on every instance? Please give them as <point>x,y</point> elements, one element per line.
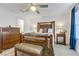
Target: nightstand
<point>61,35</point>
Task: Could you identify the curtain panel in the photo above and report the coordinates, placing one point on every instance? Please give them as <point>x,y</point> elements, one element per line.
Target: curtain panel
<point>72,33</point>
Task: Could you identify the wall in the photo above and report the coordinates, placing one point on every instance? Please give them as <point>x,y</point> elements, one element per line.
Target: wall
<point>29,21</point>
<point>7,18</point>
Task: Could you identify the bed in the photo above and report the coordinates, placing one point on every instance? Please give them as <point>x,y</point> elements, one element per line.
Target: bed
<point>34,39</point>
<point>41,38</point>
<point>46,26</point>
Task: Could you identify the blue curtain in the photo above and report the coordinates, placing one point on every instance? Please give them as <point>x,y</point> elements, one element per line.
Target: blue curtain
<point>72,34</point>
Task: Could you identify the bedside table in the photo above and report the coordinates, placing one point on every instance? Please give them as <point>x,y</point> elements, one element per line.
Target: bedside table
<point>61,35</point>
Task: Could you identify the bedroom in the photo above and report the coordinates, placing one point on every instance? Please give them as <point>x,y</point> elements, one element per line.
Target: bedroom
<point>15,14</point>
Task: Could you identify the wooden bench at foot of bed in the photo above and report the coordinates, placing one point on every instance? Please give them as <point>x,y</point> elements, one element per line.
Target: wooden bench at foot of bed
<point>29,49</point>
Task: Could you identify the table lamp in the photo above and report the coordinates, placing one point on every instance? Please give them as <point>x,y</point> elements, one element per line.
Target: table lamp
<point>61,28</point>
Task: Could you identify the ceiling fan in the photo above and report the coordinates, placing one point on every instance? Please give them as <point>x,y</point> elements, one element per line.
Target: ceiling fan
<point>34,7</point>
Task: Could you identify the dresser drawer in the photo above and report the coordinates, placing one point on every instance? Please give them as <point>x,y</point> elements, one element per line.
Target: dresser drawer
<point>10,44</point>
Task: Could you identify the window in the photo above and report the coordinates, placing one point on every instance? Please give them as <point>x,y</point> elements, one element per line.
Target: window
<point>77,24</point>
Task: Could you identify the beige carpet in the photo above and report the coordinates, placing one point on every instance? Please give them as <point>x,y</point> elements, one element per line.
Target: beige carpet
<point>8,52</point>
<point>59,50</point>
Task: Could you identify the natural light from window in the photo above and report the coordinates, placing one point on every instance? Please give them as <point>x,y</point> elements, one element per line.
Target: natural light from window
<point>77,24</point>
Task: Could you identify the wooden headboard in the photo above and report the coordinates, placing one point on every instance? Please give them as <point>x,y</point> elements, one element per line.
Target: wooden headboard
<point>42,25</point>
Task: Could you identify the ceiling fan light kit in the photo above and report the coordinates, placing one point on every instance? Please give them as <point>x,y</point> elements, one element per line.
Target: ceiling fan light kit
<point>33,8</point>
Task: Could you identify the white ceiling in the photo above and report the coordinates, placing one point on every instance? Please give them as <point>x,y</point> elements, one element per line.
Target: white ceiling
<point>53,8</point>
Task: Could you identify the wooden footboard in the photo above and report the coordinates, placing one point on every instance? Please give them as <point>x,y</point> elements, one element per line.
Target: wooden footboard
<point>43,43</point>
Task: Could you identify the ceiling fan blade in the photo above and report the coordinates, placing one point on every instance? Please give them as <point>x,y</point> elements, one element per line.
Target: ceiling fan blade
<point>37,11</point>
<point>43,6</point>
<point>25,9</point>
<point>33,4</point>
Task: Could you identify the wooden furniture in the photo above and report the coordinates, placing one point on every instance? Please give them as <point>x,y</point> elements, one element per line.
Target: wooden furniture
<point>61,35</point>
<point>9,37</point>
<point>0,42</point>
<point>29,49</point>
<point>39,35</point>
<point>43,25</point>
<point>33,41</point>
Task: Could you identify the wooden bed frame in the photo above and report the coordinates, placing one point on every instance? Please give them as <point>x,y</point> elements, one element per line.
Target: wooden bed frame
<point>45,42</point>
<point>42,25</point>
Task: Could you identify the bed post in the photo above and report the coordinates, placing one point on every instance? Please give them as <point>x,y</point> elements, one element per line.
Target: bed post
<point>15,52</point>
<point>51,52</point>
<point>38,27</point>
<point>51,37</point>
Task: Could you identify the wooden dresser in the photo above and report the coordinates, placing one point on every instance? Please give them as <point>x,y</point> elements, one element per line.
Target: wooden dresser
<point>9,37</point>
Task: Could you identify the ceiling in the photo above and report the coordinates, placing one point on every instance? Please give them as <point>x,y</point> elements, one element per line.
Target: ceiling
<point>53,8</point>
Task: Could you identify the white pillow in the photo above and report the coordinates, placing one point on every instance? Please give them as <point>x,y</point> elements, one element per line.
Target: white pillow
<point>41,31</point>
<point>50,31</point>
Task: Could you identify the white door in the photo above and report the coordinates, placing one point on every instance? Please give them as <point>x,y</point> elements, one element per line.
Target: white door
<point>20,23</point>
